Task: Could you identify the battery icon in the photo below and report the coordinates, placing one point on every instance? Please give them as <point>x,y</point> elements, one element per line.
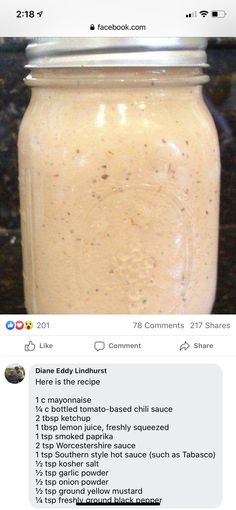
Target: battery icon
<point>218,14</point>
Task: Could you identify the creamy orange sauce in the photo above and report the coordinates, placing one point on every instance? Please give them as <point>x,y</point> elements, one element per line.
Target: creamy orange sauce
<point>119,196</point>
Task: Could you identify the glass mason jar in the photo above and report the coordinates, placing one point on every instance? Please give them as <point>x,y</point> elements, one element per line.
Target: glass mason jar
<point>119,178</point>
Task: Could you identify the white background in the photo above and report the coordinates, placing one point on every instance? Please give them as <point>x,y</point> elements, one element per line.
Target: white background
<point>158,347</point>
<point>73,18</point>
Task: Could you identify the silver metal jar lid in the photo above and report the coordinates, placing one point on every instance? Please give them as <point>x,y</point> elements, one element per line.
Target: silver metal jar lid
<point>117,52</point>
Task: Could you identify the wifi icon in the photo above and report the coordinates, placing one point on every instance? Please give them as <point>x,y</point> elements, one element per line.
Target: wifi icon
<point>204,13</point>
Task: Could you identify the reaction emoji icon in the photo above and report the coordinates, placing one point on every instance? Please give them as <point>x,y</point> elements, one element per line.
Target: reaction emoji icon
<point>10,325</point>
<point>28,324</point>
<point>19,324</point>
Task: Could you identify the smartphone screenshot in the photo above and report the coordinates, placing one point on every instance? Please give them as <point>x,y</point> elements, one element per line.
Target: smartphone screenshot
<point>117,254</point>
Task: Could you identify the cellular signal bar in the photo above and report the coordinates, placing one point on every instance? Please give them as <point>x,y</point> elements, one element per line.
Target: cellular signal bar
<point>191,14</point>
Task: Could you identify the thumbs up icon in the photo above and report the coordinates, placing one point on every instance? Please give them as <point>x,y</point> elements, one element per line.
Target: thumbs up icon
<point>30,346</point>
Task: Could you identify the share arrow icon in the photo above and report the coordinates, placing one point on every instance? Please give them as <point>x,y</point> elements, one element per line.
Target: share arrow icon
<point>184,346</point>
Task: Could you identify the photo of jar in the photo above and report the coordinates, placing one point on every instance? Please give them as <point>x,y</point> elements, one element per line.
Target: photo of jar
<point>119,173</point>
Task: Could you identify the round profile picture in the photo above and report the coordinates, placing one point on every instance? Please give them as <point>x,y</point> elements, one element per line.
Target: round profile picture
<point>14,373</point>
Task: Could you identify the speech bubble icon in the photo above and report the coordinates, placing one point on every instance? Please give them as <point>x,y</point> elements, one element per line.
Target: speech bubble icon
<point>99,346</point>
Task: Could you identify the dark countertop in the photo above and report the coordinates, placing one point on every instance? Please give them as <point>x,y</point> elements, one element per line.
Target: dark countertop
<point>220,95</point>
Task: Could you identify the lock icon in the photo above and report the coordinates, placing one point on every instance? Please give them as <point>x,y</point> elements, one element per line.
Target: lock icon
<point>92,27</point>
